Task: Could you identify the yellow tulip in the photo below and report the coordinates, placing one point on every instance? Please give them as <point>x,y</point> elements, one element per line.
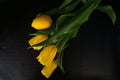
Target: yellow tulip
<point>49,69</point>
<point>41,22</point>
<point>37,39</point>
<point>47,54</point>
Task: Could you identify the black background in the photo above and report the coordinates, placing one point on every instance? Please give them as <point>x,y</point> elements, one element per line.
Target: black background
<point>93,55</point>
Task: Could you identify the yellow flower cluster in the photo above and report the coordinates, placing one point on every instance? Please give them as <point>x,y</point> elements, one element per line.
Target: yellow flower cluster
<point>47,55</point>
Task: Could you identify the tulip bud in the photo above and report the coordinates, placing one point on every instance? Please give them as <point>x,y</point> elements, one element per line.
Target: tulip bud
<point>37,39</point>
<point>41,22</point>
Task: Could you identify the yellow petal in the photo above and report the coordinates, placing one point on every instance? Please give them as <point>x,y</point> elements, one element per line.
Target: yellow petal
<point>49,69</point>
<point>47,54</point>
<point>37,39</point>
<point>41,22</point>
<point>37,47</point>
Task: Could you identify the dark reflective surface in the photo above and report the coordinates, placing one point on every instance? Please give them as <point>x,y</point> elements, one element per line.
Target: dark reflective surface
<point>93,55</point>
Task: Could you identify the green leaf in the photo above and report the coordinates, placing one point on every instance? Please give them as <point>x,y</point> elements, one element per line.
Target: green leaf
<point>42,32</point>
<point>109,11</point>
<point>66,6</point>
<point>84,1</point>
<point>62,19</point>
<point>78,19</point>
<point>71,6</point>
<point>59,61</point>
<point>62,43</point>
<point>65,2</point>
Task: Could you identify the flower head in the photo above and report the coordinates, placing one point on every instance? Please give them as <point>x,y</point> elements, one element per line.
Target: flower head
<point>37,39</point>
<point>48,69</point>
<point>47,55</point>
<point>41,22</point>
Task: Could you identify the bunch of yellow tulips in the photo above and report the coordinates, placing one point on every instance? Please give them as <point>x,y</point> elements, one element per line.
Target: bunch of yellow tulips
<point>52,35</point>
<point>47,55</point>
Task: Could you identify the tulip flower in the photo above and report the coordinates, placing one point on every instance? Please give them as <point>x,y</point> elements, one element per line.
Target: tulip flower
<point>41,22</point>
<point>49,69</point>
<point>47,55</point>
<point>37,39</point>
